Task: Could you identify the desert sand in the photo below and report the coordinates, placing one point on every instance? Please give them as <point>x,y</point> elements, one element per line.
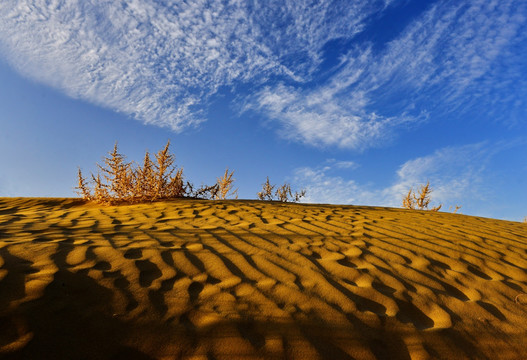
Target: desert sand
<point>240,279</point>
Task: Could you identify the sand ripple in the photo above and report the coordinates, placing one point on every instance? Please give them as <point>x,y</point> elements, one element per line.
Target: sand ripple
<point>247,279</point>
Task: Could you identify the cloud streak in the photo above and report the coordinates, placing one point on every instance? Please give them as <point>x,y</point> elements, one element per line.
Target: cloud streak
<point>455,173</point>
<point>161,61</point>
<point>455,57</point>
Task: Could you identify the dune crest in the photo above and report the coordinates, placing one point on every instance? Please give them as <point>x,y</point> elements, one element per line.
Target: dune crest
<point>197,279</point>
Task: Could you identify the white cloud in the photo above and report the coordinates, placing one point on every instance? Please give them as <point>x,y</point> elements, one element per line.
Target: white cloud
<point>316,118</point>
<point>345,165</point>
<point>455,174</point>
<point>323,188</point>
<point>454,171</point>
<point>456,56</point>
<point>160,61</point>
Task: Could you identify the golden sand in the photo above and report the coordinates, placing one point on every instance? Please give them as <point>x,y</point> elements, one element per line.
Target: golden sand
<point>192,279</point>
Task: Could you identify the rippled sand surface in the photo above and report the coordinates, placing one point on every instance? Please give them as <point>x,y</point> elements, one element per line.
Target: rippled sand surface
<point>192,279</point>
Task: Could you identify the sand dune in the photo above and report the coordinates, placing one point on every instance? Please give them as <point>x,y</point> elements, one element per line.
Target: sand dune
<point>192,279</point>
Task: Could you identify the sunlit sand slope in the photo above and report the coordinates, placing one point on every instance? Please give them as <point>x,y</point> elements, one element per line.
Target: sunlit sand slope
<point>195,279</point>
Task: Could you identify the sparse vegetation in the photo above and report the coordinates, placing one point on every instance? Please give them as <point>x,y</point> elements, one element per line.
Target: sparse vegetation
<point>420,201</point>
<point>82,186</point>
<point>127,182</point>
<point>203,192</point>
<point>119,181</point>
<point>455,210</point>
<point>267,191</point>
<point>224,185</point>
<point>283,193</point>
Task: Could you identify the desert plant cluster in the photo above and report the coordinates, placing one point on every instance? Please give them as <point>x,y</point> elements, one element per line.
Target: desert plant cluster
<point>158,178</point>
<point>420,201</point>
<point>119,181</point>
<point>282,193</point>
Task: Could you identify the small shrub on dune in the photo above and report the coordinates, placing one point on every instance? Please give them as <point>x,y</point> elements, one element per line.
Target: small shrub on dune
<point>119,181</point>
<point>167,185</point>
<point>203,192</point>
<point>283,193</point>
<point>419,201</point>
<point>119,175</point>
<point>157,179</point>
<point>224,185</point>
<point>267,191</point>
<point>82,186</point>
<point>100,191</point>
<point>299,195</point>
<point>144,184</point>
<point>455,210</point>
<point>220,191</point>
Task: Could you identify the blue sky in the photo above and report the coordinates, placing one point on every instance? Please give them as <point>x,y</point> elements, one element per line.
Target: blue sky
<point>355,101</point>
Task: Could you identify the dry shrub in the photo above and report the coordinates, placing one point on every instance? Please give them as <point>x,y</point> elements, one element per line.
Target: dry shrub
<point>219,191</point>
<point>82,186</point>
<point>123,181</point>
<point>166,185</point>
<point>298,195</point>
<point>456,209</point>
<point>224,186</point>
<point>203,192</point>
<point>420,201</point>
<point>100,191</point>
<point>144,184</point>
<point>267,191</point>
<point>119,181</point>
<point>283,193</point>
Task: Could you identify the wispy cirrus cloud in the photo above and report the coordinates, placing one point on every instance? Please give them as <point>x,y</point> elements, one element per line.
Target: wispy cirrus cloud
<point>455,173</point>
<point>160,61</point>
<point>456,53</point>
<point>455,57</point>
